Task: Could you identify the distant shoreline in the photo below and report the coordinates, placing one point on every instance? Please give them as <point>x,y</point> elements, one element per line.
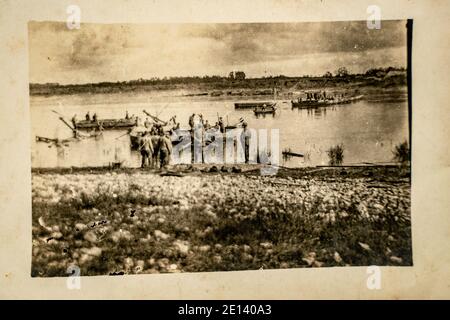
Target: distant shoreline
<point>375,172</point>
<point>220,87</point>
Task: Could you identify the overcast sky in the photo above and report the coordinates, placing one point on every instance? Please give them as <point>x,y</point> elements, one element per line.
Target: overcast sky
<point>115,52</point>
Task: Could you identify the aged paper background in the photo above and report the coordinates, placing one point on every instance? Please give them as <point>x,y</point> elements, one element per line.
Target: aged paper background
<point>430,276</point>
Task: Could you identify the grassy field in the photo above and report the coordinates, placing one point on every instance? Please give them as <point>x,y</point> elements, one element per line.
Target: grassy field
<point>134,221</point>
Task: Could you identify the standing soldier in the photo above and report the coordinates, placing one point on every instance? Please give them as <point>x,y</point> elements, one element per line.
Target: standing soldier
<point>138,121</point>
<point>173,119</point>
<point>175,127</point>
<point>207,125</point>
<point>74,121</point>
<point>154,138</point>
<point>146,148</point>
<point>165,149</point>
<point>88,116</point>
<point>246,142</point>
<point>191,121</point>
<point>221,125</point>
<point>147,123</point>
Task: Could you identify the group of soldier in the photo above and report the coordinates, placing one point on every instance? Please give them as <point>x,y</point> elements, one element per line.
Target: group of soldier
<point>193,122</point>
<point>155,147</point>
<point>88,117</point>
<point>155,144</point>
<point>315,96</point>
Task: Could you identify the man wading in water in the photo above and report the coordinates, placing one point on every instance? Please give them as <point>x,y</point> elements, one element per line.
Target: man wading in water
<point>165,149</point>
<point>146,148</point>
<point>154,137</point>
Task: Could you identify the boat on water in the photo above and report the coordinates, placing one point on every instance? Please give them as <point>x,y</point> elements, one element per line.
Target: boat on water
<point>263,110</point>
<point>135,136</point>
<point>106,124</point>
<point>289,153</point>
<point>252,105</point>
<point>315,103</point>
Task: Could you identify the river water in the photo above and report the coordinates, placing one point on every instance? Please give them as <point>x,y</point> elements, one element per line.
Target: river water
<point>368,130</point>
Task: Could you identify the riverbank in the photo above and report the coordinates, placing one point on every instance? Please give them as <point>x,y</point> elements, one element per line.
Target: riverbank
<point>391,173</point>
<point>219,87</point>
<point>137,221</point>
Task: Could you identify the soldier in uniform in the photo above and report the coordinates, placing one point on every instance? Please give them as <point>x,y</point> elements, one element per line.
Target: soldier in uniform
<point>146,148</point>
<point>154,137</point>
<point>147,123</point>
<point>246,141</point>
<point>221,125</point>
<point>165,149</point>
<point>191,121</point>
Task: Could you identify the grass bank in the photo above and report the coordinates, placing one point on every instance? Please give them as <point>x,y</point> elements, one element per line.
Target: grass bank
<point>223,87</point>
<point>134,221</point>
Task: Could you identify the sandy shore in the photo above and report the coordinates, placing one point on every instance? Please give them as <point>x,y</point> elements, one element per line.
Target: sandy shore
<point>139,221</point>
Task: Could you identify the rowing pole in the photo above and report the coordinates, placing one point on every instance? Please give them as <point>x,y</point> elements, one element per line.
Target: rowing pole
<point>122,135</point>
<point>156,119</point>
<point>65,122</point>
<point>59,114</point>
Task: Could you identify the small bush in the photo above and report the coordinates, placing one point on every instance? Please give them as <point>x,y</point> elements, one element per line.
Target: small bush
<point>336,155</point>
<point>402,153</point>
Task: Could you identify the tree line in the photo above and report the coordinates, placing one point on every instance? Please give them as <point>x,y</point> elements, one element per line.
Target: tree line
<point>233,76</point>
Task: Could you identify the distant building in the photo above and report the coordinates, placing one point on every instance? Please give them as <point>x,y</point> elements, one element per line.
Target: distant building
<point>239,75</point>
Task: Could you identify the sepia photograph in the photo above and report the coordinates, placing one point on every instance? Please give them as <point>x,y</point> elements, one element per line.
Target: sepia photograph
<point>202,147</point>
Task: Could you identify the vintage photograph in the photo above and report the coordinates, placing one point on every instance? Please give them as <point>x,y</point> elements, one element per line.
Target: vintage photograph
<point>167,148</point>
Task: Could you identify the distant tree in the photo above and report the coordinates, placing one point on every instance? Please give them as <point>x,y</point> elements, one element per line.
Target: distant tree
<point>341,72</point>
<point>239,75</point>
<point>231,75</point>
<point>371,72</point>
<point>328,74</point>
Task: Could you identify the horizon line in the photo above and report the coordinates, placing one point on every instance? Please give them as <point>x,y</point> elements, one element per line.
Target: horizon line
<point>166,78</point>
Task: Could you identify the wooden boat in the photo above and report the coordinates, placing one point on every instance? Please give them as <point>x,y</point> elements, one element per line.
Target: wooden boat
<point>265,110</point>
<point>350,99</point>
<point>44,139</point>
<point>252,105</point>
<point>135,138</point>
<point>288,153</point>
<point>77,137</point>
<point>309,104</point>
<point>57,142</point>
<point>106,124</point>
